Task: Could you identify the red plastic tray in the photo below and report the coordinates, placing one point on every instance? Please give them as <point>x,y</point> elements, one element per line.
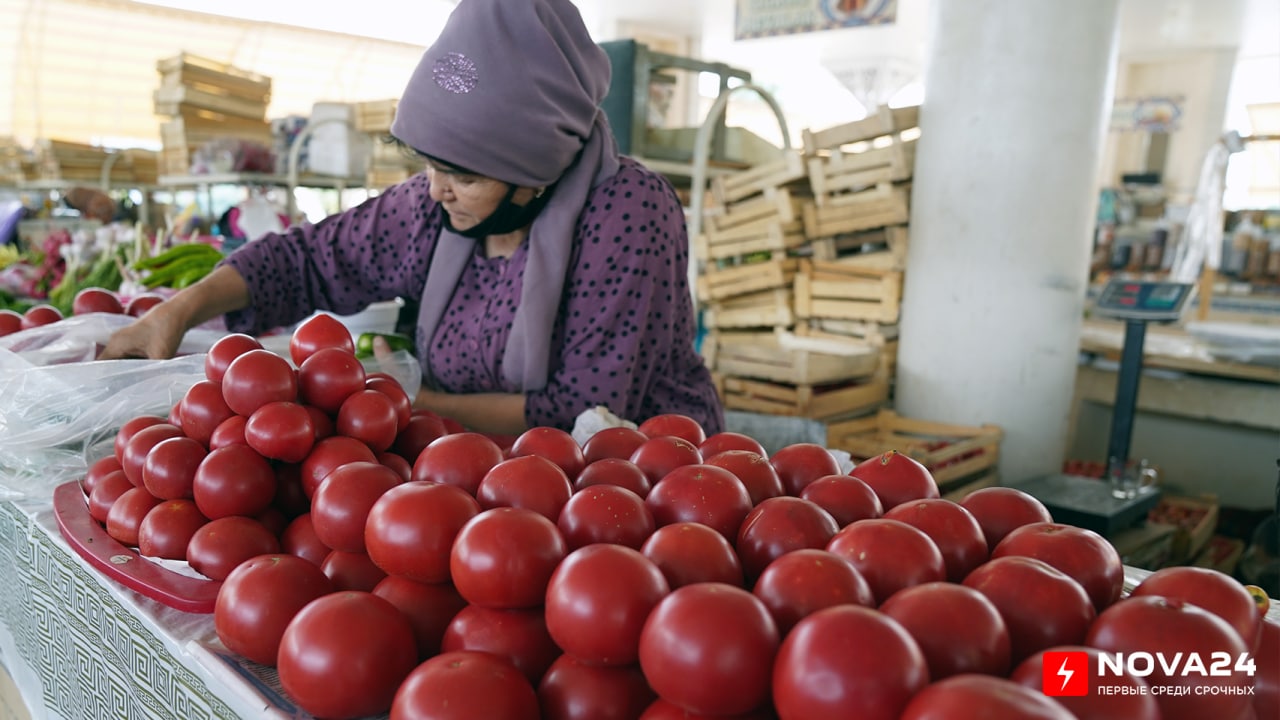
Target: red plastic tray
<point>123,564</point>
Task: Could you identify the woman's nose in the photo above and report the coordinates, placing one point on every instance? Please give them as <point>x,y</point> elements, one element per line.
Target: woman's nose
<point>440,187</point>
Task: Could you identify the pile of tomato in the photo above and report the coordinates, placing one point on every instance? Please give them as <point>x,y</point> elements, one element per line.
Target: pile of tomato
<point>384,559</point>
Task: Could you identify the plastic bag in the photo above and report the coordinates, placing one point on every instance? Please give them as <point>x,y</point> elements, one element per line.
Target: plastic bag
<point>80,338</point>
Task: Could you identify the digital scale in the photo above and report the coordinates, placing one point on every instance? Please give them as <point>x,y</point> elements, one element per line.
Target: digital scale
<point>1088,502</point>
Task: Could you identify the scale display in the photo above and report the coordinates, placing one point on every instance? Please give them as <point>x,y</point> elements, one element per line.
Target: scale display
<point>1153,301</point>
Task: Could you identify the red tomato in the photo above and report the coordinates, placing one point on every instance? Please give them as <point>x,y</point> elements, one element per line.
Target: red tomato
<point>259,598</point>
<point>126,514</point>
<point>42,314</point>
<point>369,416</point>
<point>169,471</point>
<point>233,480</point>
<point>256,378</point>
<point>95,299</point>
<point>345,654</point>
<point>280,431</point>
<point>615,442</point>
<point>709,648</point>
<point>273,520</point>
<point>503,558</point>
<point>300,539</point>
<point>411,528</point>
<point>1040,605</point>
<point>519,636</point>
<point>175,415</point>
<point>226,349</point>
<point>140,444</point>
<point>328,454</point>
<point>1082,554</point>
<point>681,426</point>
<point>726,441</point>
<point>532,482</point>
<point>553,444</point>
<point>805,581</point>
<point>613,471</point>
<point>1000,510</point>
<point>574,690</point>
<point>957,628</point>
<point>461,459</point>
<point>466,684</point>
<point>974,697</point>
<point>229,432</point>
<point>778,526</point>
<point>605,514</point>
<point>663,710</point>
<point>598,600</point>
<point>845,497</point>
<point>290,500</point>
<point>352,571</point>
<point>343,501</point>
<point>1163,627</point>
<point>428,607</point>
<point>100,468</point>
<point>138,305</point>
<point>890,554</point>
<point>421,431</point>
<point>753,470</point>
<point>318,332</point>
<point>658,456</point>
<point>700,493</point>
<point>328,377</point>
<point>1131,699</point>
<point>397,464</point>
<point>222,544</point>
<point>10,322</point>
<point>689,553</point>
<point>167,530</point>
<point>799,464</point>
<point>106,492</point>
<point>321,421</point>
<point>1210,590</point>
<point>399,399</point>
<point>896,479</point>
<point>847,661</point>
<point>131,428</point>
<point>956,533</point>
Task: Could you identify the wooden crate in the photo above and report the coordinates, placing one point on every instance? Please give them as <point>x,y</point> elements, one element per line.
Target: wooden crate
<point>1221,554</point>
<point>1147,546</point>
<point>786,171</point>
<point>64,160</point>
<point>884,121</point>
<point>949,451</point>
<point>883,338</point>
<point>840,291</point>
<point>760,236</point>
<point>957,490</point>
<point>785,358</point>
<point>777,204</point>
<point>172,100</point>
<point>884,205</point>
<point>733,281</point>
<point>768,309</point>
<point>841,172</point>
<point>818,402</point>
<point>1194,520</point>
<point>882,248</point>
<point>194,130</point>
<point>375,116</point>
<point>214,78</point>
<point>175,160</point>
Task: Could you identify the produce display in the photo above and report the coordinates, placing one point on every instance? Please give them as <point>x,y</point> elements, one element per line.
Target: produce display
<point>385,560</point>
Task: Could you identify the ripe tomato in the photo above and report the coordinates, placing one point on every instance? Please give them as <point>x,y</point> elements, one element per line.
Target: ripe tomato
<point>700,493</point>
<point>352,571</point>
<point>421,431</point>
<point>369,416</point>
<point>300,539</point>
<point>663,710</point>
<point>614,442</point>
<point>754,471</point>
<point>890,554</point>
<point>1000,510</point>
<point>131,428</point>
<point>956,533</point>
<point>845,497</point>
<point>519,636</point>
<point>343,501</point>
<point>167,530</point>
<point>318,332</point>
<point>140,444</point>
<point>226,349</point>
<point>345,654</point>
<point>957,628</point>
<point>553,444</point>
<point>461,459</point>
<point>289,499</point>
<point>709,647</point>
<point>598,600</point>
<point>97,470</point>
<point>613,471</point>
<point>222,544</point>
<point>38,315</point>
<point>503,558</point>
<point>281,431</point>
<point>399,399</point>
<point>847,661</point>
<point>778,526</point>
<point>256,378</point>
<point>689,553</point>
<point>803,582</point>
<point>10,322</point>
<point>1210,590</point>
<point>660,455</point>
<point>411,528</point>
<point>328,377</point>
<point>605,514</point>
<point>1131,699</point>
<point>973,697</point>
<point>799,464</point>
<point>896,479</point>
<point>138,305</point>
<point>106,492</point>
<point>681,426</point>
<point>428,607</point>
<point>532,482</point>
<point>1082,554</point>
<point>725,441</point>
<point>126,514</point>
<point>233,480</point>
<point>95,299</point>
<point>574,690</point>
<point>328,454</point>
<point>169,471</point>
<point>1040,605</point>
<point>229,432</point>
<point>259,598</point>
<point>466,684</point>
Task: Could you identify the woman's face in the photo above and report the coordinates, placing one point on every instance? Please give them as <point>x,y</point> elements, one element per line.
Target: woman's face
<point>469,198</point>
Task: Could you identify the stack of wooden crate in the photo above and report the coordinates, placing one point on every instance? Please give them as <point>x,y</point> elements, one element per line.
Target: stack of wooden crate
<point>17,163</point>
<point>206,100</point>
<point>388,162</point>
<point>60,160</point>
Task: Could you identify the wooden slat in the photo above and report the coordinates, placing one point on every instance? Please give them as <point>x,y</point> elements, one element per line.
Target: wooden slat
<point>865,210</point>
<point>766,309</point>
<point>884,121</point>
<point>723,283</point>
<point>192,70</point>
<point>761,355</point>
<point>169,100</point>
<point>804,400</point>
<point>938,446</point>
<point>733,187</point>
<point>774,204</point>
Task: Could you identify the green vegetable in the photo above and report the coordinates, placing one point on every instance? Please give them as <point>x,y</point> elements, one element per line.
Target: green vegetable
<point>364,343</point>
<point>179,253</point>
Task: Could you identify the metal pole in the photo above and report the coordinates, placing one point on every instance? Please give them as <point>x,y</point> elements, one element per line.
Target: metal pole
<point>1126,404</point>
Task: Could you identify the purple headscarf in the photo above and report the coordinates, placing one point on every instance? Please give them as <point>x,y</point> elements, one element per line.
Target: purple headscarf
<point>512,89</point>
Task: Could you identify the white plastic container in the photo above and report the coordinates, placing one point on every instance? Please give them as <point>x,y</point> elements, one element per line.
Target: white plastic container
<point>379,317</point>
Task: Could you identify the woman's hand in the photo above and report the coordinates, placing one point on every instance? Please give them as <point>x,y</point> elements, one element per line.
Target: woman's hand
<point>156,335</point>
<point>159,332</point>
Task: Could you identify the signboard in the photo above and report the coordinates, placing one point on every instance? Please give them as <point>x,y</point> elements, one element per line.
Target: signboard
<point>1147,114</point>
<point>766,18</point>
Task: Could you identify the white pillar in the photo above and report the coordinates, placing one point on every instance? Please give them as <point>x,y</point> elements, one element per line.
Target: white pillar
<point>1002,215</point>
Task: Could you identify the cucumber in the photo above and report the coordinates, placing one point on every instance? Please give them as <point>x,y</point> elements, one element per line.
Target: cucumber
<point>364,343</point>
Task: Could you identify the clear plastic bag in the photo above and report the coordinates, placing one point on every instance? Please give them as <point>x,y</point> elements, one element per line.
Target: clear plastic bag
<point>80,338</point>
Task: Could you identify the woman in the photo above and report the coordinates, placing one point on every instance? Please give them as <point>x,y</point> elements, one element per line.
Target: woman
<point>551,272</point>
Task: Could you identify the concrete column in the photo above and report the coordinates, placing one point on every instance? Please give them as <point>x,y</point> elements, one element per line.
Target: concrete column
<point>1016,92</point>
